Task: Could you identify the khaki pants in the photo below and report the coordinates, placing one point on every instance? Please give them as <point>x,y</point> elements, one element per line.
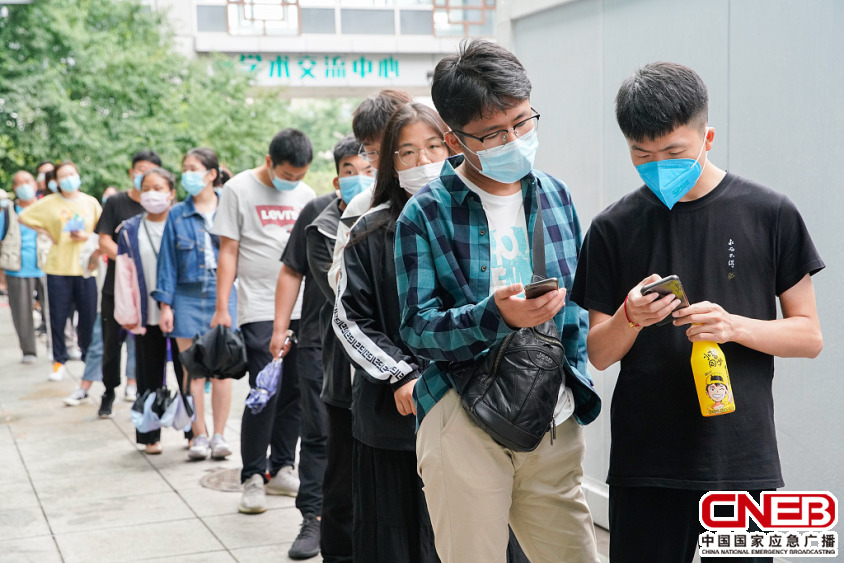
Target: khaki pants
<point>474,487</point>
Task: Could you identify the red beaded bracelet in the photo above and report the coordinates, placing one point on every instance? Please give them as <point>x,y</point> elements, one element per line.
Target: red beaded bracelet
<point>630,323</point>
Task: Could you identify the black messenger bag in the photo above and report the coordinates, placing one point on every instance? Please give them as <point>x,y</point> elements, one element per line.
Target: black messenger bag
<point>511,392</point>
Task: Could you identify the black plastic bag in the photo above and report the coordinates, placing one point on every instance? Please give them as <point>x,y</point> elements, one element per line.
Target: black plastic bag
<point>219,353</point>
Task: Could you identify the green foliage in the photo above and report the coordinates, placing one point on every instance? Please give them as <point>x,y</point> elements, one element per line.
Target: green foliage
<point>94,81</point>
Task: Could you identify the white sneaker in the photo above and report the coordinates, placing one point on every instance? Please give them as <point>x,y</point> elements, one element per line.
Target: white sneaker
<point>74,354</point>
<point>29,359</point>
<point>254,500</point>
<point>200,448</point>
<point>58,372</point>
<point>285,482</point>
<point>220,449</point>
<point>130,394</point>
<point>76,398</point>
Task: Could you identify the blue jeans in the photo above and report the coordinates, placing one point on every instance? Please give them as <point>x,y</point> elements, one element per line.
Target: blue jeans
<point>94,359</point>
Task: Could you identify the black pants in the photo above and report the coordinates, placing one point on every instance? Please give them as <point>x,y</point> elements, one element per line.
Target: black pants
<point>277,425</point>
<point>113,337</point>
<point>336,525</point>
<point>313,432</point>
<point>64,292</point>
<point>391,522</point>
<point>151,361</point>
<point>656,524</point>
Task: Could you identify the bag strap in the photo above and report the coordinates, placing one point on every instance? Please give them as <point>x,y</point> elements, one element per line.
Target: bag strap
<point>539,272</point>
<point>149,238</point>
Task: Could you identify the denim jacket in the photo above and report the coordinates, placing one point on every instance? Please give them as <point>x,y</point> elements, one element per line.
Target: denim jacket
<point>127,243</point>
<point>181,260</point>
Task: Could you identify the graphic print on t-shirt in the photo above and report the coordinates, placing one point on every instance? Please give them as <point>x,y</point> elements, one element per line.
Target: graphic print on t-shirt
<point>281,215</point>
<point>509,257</point>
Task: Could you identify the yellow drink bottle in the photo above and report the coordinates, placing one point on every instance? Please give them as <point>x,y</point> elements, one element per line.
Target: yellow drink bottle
<point>712,380</point>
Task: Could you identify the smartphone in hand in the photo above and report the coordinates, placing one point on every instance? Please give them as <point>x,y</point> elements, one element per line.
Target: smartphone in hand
<point>541,287</point>
<point>665,286</point>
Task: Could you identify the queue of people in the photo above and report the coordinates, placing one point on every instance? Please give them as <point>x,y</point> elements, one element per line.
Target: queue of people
<point>382,295</point>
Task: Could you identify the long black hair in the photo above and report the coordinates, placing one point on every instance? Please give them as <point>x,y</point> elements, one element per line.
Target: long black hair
<point>387,188</point>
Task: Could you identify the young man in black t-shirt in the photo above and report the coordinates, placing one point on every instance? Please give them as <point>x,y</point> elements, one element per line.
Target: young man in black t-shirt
<point>117,209</point>
<point>737,247</point>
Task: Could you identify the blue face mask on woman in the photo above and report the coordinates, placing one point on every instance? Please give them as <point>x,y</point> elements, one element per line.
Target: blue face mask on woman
<point>671,179</point>
<point>70,184</point>
<point>53,186</point>
<point>350,186</point>
<point>193,182</point>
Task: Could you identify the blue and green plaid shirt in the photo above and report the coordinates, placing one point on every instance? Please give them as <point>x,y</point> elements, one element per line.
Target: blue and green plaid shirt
<point>442,264</point>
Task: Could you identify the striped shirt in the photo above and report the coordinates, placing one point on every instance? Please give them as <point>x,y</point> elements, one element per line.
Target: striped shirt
<point>442,265</point>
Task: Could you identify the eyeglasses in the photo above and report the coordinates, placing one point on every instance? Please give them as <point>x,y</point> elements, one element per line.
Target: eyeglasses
<point>502,136</point>
<point>369,156</point>
<point>435,149</point>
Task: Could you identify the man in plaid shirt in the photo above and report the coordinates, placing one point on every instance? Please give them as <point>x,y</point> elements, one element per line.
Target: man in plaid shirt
<point>462,258</point>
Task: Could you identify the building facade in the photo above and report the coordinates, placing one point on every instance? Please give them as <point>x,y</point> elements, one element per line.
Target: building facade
<point>314,48</point>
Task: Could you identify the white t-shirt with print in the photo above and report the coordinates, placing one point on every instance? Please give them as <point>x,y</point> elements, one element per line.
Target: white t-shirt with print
<point>149,243</point>
<point>510,259</point>
<point>260,218</point>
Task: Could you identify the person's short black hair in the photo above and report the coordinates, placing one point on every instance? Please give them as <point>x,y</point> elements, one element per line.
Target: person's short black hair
<point>345,147</point>
<point>42,163</point>
<point>291,146</point>
<point>658,98</point>
<point>481,79</point>
<point>372,114</point>
<point>148,155</point>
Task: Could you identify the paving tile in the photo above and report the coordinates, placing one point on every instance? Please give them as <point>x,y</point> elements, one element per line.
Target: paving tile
<point>16,523</point>
<point>18,495</point>
<point>208,502</point>
<point>41,549</point>
<point>79,465</point>
<point>106,484</point>
<point>252,530</point>
<point>260,554</point>
<point>70,515</point>
<point>206,557</point>
<point>138,542</point>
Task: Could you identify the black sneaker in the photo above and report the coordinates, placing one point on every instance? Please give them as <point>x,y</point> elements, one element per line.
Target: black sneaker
<point>307,542</point>
<point>105,406</point>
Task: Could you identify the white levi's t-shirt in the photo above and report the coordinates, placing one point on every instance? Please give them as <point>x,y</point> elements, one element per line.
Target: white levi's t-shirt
<point>260,218</point>
<point>510,259</point>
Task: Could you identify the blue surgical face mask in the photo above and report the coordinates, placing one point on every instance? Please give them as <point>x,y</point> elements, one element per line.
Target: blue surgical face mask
<point>511,161</point>
<point>53,186</point>
<point>350,186</point>
<point>193,182</point>
<point>671,179</point>
<point>136,181</point>
<point>71,183</point>
<point>25,192</point>
<point>283,185</point>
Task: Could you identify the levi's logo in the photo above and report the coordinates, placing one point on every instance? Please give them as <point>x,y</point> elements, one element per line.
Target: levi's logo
<point>812,510</point>
<point>281,215</point>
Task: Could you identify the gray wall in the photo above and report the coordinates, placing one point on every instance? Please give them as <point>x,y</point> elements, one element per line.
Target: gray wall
<point>776,85</point>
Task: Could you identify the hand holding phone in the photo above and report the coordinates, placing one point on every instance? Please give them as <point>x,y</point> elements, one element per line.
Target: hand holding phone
<point>665,286</point>
<point>541,287</point>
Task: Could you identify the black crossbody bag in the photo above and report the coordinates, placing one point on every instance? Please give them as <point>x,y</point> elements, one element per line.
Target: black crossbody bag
<point>511,393</point>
